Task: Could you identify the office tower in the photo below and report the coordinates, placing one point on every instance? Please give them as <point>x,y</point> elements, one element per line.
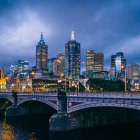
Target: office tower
<point>133,75</point>
<point>61,56</point>
<point>119,62</point>
<point>19,67</point>
<point>113,61</point>
<point>72,56</point>
<point>50,65</point>
<point>89,61</point>
<point>98,61</point>
<point>94,62</point>
<point>57,67</point>
<point>41,57</point>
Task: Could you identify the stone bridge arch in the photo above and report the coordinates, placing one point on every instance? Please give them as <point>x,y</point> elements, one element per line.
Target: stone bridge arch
<point>49,103</point>
<point>95,105</point>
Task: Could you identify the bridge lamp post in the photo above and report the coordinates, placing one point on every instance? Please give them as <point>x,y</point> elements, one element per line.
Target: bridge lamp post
<point>62,75</point>
<point>79,75</point>
<point>123,67</point>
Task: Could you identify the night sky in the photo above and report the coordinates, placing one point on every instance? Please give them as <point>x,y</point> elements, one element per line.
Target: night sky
<point>105,26</point>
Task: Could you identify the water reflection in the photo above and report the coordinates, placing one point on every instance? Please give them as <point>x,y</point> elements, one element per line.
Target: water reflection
<point>25,128</point>
<point>36,128</point>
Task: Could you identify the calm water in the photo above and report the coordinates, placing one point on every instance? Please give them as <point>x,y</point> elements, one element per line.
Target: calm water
<point>34,128</point>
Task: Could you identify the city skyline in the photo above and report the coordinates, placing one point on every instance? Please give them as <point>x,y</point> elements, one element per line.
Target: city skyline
<point>100,26</point>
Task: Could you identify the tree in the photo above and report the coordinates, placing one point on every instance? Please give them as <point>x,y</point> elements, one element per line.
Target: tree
<point>81,87</point>
<point>105,85</point>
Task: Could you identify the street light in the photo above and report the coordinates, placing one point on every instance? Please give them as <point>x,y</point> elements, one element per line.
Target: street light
<point>123,67</point>
<point>62,75</point>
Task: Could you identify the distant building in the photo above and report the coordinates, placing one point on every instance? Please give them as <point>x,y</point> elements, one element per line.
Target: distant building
<point>50,65</point>
<point>2,80</point>
<point>133,75</point>
<point>118,62</point>
<point>72,56</point>
<point>113,61</point>
<point>61,56</point>
<point>55,67</point>
<point>41,57</point>
<point>112,72</point>
<point>19,67</point>
<point>101,74</point>
<point>94,61</point>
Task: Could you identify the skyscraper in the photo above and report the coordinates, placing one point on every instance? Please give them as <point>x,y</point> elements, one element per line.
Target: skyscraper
<point>41,56</point>
<point>118,61</point>
<point>98,61</point>
<point>19,67</point>
<point>72,56</point>
<point>55,66</point>
<point>94,62</point>
<point>61,57</point>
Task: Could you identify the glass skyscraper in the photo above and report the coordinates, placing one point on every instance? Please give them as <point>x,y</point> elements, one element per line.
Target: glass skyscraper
<point>19,67</point>
<point>72,58</point>
<point>50,65</point>
<point>118,61</point>
<point>41,56</point>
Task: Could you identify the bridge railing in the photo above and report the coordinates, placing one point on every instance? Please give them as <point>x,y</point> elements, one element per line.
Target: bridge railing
<point>104,94</point>
<point>81,94</point>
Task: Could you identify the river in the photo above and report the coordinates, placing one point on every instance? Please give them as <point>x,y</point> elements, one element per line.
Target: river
<point>37,128</point>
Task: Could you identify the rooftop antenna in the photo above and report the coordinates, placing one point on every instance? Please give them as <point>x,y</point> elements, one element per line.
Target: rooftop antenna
<point>41,38</point>
<point>72,35</point>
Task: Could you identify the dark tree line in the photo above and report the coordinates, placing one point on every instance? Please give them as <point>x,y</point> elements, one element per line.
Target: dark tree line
<point>105,85</point>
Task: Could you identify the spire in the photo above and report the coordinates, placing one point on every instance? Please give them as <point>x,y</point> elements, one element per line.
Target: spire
<point>2,73</point>
<point>41,38</point>
<point>72,35</point>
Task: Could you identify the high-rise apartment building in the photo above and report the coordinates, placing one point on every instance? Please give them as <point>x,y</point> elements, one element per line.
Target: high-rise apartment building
<point>72,56</point>
<point>94,61</point>
<point>19,67</point>
<point>119,62</point>
<point>41,56</point>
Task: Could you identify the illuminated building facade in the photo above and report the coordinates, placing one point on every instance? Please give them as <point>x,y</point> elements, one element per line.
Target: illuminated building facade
<point>72,56</point>
<point>133,75</point>
<point>57,67</point>
<point>50,65</point>
<point>101,74</point>
<point>94,62</point>
<point>2,80</point>
<point>17,86</point>
<point>19,67</point>
<point>61,56</point>
<point>118,61</point>
<point>41,57</point>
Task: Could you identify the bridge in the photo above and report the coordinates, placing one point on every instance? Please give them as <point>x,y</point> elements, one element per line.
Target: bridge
<point>77,101</point>
<point>70,102</point>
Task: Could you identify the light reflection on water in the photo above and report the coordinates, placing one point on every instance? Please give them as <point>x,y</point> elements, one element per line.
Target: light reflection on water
<point>25,128</point>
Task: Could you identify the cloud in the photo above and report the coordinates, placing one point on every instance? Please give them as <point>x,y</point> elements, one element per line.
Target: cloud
<point>105,26</point>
